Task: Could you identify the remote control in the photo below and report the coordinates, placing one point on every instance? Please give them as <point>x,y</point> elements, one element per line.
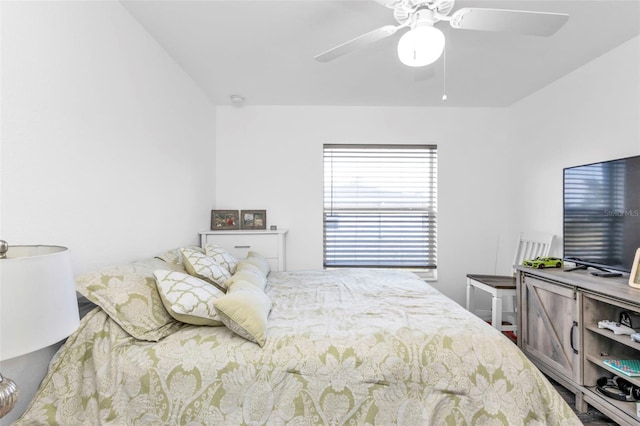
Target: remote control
<point>606,274</point>
<point>616,327</point>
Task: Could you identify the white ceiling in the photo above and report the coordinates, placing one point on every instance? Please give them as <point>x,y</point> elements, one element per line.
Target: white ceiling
<point>263,50</point>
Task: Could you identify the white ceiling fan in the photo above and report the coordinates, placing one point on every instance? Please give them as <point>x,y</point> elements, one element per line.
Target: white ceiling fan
<point>424,43</point>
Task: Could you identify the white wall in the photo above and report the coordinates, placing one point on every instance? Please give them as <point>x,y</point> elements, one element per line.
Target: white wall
<point>107,146</point>
<point>271,158</point>
<point>103,135</point>
<point>590,115</point>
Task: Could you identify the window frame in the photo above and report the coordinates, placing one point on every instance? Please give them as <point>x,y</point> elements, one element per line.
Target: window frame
<point>418,216</point>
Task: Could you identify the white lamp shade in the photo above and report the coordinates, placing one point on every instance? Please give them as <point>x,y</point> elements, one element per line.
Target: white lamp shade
<point>38,304</point>
<point>421,46</point>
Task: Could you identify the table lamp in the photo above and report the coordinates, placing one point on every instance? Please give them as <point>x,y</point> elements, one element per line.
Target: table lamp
<point>38,305</point>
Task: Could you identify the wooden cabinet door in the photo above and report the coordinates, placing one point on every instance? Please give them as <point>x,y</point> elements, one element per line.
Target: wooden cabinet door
<point>549,331</point>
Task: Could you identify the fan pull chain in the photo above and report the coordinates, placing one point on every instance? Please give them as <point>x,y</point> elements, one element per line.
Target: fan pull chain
<point>444,74</point>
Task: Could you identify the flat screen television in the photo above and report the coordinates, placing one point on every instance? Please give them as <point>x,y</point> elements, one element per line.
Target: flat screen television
<point>601,226</point>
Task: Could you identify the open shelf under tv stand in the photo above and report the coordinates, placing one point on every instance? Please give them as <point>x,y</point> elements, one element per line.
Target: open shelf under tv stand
<point>558,314</point>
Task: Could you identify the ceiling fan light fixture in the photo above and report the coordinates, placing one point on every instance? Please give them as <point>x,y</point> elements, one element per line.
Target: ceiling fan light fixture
<point>421,46</point>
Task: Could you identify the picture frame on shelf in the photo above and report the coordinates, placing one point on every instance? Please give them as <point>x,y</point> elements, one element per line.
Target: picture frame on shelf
<point>634,276</point>
<point>253,219</point>
<point>222,220</point>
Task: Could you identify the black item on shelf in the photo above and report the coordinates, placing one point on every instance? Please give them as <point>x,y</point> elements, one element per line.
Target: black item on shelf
<point>630,319</point>
<point>618,388</point>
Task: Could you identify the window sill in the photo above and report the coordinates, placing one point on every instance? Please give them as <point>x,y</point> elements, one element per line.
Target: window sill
<point>426,274</point>
<point>423,274</point>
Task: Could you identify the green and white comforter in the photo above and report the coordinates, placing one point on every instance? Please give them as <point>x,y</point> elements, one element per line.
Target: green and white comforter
<point>343,347</point>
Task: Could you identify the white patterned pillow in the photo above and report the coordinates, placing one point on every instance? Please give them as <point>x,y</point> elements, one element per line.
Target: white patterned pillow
<point>221,256</point>
<point>244,310</point>
<point>188,299</point>
<point>205,267</point>
<point>174,256</point>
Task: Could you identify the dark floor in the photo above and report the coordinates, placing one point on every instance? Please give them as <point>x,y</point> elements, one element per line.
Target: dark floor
<point>592,417</point>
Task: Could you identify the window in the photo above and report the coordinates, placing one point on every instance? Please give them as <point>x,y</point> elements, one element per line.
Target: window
<point>380,206</point>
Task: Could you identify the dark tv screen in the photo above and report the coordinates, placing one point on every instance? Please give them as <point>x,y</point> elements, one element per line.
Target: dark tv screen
<point>602,214</point>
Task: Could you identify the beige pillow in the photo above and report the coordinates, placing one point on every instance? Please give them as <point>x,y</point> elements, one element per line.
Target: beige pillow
<point>243,265</point>
<point>244,310</point>
<point>188,299</point>
<point>221,256</point>
<point>128,294</point>
<point>257,259</point>
<point>249,275</point>
<point>205,267</point>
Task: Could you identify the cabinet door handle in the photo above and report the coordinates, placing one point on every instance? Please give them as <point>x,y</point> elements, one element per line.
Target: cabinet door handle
<point>574,326</point>
<point>241,247</point>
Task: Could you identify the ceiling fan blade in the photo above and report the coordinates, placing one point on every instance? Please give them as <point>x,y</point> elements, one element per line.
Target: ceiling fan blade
<point>363,40</point>
<point>516,21</point>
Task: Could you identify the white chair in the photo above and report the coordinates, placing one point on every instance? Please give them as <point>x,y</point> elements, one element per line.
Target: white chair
<point>530,245</point>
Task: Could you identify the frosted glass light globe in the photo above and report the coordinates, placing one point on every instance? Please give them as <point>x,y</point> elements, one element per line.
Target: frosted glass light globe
<point>421,46</point>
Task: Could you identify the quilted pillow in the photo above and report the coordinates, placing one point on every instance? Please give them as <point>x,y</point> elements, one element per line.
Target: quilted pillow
<point>205,267</point>
<point>188,299</point>
<point>251,276</point>
<point>221,256</point>
<point>243,265</point>
<point>257,259</point>
<point>128,294</point>
<point>244,310</point>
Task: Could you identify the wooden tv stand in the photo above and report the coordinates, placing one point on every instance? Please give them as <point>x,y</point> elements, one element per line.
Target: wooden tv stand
<point>558,314</point>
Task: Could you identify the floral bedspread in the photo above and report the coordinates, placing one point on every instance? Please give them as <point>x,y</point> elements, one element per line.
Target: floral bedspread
<point>343,347</point>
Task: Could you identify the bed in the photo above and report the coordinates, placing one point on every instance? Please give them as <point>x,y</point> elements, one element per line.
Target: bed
<point>349,346</point>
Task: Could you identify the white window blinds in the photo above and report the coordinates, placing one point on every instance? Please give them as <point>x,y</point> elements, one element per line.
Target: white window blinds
<point>380,206</point>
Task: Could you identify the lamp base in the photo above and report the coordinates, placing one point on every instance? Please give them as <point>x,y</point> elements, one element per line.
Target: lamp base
<point>8,395</point>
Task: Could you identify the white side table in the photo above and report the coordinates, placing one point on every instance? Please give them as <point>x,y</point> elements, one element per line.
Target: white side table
<point>269,244</point>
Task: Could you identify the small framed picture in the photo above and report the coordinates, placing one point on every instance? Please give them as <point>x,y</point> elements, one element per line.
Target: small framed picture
<point>253,219</point>
<point>634,276</point>
<point>224,219</point>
